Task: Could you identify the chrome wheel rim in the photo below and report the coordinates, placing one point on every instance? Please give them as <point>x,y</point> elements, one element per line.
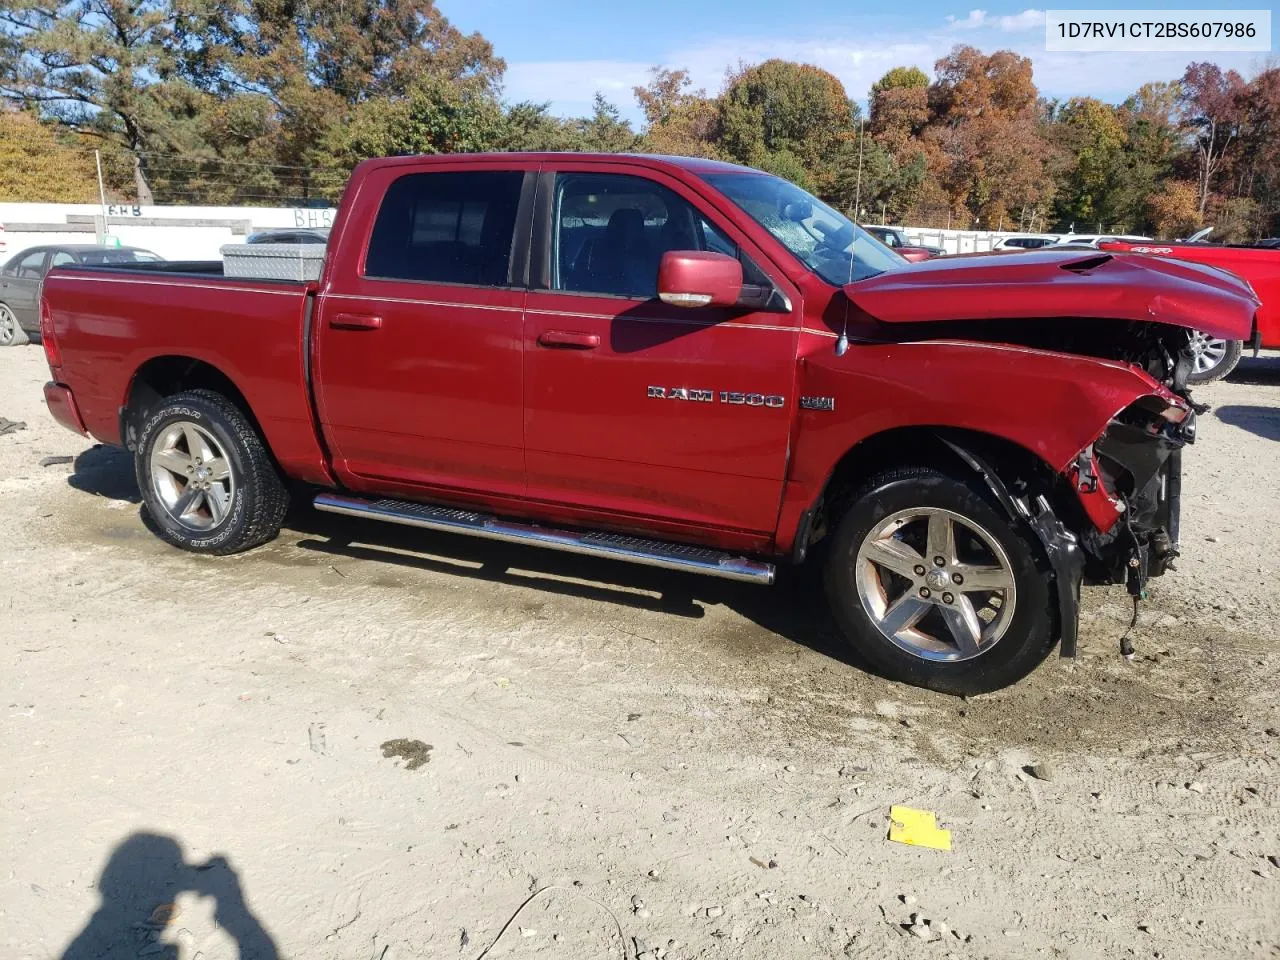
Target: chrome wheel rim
<point>1206,351</point>
<point>936,584</point>
<point>191,476</point>
<point>8,326</point>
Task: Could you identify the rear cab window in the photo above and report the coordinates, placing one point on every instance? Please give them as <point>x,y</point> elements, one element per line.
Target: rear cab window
<point>453,227</point>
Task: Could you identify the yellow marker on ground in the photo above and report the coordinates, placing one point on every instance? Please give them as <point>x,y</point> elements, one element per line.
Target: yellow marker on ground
<point>918,828</point>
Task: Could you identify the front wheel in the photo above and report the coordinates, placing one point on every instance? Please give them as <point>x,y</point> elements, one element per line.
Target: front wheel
<point>207,482</point>
<point>1212,358</point>
<point>936,587</point>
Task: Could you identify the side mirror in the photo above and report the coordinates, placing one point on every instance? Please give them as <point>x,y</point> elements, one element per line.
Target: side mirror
<point>699,278</point>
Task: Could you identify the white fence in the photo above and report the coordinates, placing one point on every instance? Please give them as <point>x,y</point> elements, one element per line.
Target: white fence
<point>175,233</point>
<point>197,233</point>
<point>956,241</point>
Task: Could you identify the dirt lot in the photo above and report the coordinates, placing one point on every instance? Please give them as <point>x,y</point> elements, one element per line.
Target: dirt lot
<point>692,765</point>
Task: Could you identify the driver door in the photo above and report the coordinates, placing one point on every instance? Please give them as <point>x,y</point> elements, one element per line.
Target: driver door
<point>638,409</point>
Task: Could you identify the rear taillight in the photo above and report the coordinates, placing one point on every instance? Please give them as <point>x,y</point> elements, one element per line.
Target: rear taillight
<point>51,351</point>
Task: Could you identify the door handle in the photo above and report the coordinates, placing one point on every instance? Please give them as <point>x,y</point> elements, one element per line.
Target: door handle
<point>571,339</point>
<point>354,321</point>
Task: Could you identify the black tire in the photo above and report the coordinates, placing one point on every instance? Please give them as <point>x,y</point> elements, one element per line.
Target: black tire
<point>1223,367</point>
<point>1032,627</point>
<point>11,332</point>
<point>258,499</point>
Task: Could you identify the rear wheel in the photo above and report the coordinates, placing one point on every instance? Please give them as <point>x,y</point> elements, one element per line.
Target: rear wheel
<point>1212,357</point>
<point>936,587</point>
<point>11,333</point>
<point>207,482</point>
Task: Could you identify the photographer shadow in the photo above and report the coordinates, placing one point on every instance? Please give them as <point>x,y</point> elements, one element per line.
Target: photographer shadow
<point>147,872</point>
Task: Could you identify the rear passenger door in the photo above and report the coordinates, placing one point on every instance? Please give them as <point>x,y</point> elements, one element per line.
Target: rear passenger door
<point>20,285</point>
<point>418,336</point>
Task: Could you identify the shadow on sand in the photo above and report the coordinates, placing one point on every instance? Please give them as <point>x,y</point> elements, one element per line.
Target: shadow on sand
<point>138,886</point>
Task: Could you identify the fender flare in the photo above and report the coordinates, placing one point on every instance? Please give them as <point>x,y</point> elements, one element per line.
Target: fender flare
<point>1061,546</point>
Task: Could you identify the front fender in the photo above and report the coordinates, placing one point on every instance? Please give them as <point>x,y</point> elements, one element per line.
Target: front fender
<point>1051,404</point>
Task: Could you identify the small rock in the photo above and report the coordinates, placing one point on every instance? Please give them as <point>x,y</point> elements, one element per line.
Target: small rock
<point>636,902</point>
<point>1041,771</point>
<point>713,912</point>
<point>642,913</point>
<point>922,931</point>
<point>528,932</point>
<point>1195,786</point>
<point>1012,933</point>
<point>1212,539</point>
<point>790,768</point>
<point>654,874</point>
<point>940,928</point>
<point>909,899</point>
<point>1146,926</point>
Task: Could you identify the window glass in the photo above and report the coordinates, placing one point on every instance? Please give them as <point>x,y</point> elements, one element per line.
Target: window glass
<point>30,265</point>
<point>108,255</point>
<point>611,231</point>
<point>825,241</point>
<point>60,259</point>
<point>446,228</point>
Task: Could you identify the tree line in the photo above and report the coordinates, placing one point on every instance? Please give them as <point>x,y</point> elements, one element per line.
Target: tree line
<point>274,101</point>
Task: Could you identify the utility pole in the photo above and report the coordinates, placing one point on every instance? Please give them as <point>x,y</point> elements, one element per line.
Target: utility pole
<point>857,193</point>
<point>102,196</point>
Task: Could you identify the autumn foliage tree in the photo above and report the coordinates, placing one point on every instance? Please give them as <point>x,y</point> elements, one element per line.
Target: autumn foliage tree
<point>36,165</point>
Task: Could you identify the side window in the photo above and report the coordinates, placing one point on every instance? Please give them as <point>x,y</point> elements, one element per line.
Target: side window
<point>611,230</point>
<point>446,228</point>
<point>29,267</point>
<point>60,259</point>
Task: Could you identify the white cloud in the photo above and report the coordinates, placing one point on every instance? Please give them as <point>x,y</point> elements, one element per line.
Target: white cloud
<point>858,61</point>
<point>1028,19</point>
<point>973,21</point>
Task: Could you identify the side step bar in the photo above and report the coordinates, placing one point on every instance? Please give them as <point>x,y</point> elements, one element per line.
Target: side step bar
<point>614,546</point>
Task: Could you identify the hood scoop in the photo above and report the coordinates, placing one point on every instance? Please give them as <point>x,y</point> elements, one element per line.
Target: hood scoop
<point>1088,263</point>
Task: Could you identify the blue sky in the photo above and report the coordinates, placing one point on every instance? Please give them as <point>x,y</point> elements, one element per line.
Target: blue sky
<point>563,51</point>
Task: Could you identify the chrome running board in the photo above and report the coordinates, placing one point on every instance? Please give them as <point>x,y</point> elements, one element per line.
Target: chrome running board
<point>613,546</point>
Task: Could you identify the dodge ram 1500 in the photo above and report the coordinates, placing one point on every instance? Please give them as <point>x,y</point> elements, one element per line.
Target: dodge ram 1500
<point>680,363</point>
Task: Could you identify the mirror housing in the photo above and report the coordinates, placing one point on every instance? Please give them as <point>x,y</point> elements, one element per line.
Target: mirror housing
<point>699,278</point>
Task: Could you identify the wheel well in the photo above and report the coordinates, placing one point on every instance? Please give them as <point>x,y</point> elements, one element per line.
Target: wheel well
<point>162,377</point>
<point>1019,469</point>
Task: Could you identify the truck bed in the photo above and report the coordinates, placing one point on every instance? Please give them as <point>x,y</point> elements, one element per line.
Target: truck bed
<point>112,320</point>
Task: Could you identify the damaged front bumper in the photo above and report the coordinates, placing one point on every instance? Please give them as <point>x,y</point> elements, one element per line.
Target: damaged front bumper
<point>1137,469</point>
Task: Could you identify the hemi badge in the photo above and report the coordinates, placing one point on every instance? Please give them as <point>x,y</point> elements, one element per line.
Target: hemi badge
<point>817,403</point>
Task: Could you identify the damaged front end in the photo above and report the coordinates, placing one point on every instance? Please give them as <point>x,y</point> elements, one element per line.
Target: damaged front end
<point>1130,482</point>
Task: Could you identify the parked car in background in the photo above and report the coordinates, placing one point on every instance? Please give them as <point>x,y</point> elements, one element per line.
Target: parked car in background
<point>897,241</point>
<point>1025,241</point>
<point>676,362</point>
<point>1093,239</point>
<point>298,235</point>
<point>1215,357</point>
<point>23,275</point>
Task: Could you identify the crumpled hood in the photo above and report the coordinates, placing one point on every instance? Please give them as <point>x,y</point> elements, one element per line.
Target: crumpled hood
<point>1061,283</point>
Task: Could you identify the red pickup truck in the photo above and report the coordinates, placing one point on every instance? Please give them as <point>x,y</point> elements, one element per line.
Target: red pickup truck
<point>1214,356</point>
<point>675,362</point>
